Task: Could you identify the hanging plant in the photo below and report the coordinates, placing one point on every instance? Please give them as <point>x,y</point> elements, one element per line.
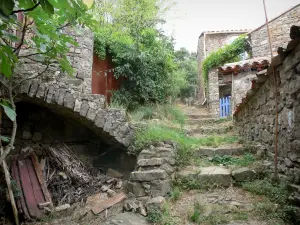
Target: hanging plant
<point>229,53</point>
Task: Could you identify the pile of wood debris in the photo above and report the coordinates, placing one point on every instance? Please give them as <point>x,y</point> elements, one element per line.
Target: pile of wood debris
<point>62,176</point>
<point>70,181</point>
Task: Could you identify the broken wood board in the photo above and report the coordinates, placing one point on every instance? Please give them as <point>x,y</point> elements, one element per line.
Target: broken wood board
<point>33,190</point>
<point>100,206</point>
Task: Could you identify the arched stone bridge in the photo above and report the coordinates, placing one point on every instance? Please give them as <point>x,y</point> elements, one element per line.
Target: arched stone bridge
<point>67,97</point>
<point>72,96</point>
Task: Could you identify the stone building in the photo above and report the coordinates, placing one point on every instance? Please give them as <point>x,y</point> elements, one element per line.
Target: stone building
<point>234,79</point>
<point>208,42</point>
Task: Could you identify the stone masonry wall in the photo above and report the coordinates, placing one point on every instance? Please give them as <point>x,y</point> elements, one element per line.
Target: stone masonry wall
<point>256,120</point>
<point>279,28</point>
<point>154,172</point>
<point>213,92</point>
<point>241,84</point>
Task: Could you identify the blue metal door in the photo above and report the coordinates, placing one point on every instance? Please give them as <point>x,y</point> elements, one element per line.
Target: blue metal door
<point>225,107</point>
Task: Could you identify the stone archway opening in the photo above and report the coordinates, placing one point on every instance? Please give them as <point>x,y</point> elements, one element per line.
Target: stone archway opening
<point>40,126</point>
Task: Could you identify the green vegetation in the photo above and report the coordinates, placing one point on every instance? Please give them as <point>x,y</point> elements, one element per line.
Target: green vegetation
<point>277,193</point>
<point>198,210</point>
<point>143,57</point>
<point>163,113</point>
<point>161,217</point>
<point>217,216</point>
<point>227,160</point>
<point>229,53</point>
<point>175,194</point>
<point>186,145</point>
<point>188,67</point>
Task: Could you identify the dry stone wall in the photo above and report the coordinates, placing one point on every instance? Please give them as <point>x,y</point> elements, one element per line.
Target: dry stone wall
<point>154,172</point>
<point>240,85</point>
<point>213,92</point>
<point>256,120</point>
<point>279,28</point>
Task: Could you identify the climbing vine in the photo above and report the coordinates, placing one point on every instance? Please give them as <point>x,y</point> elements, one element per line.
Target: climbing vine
<point>227,54</point>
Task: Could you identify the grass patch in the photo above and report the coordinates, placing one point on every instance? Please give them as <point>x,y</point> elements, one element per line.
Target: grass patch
<point>197,212</point>
<point>161,217</point>
<point>160,112</point>
<point>175,194</point>
<point>278,206</point>
<point>227,160</point>
<point>186,145</point>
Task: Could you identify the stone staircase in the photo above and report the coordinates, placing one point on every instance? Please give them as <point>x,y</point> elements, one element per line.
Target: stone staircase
<point>201,123</point>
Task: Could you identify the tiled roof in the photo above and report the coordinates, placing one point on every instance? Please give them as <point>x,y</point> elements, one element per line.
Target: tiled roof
<point>225,31</point>
<point>254,64</point>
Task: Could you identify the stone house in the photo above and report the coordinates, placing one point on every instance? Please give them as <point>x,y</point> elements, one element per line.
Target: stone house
<point>208,42</point>
<point>234,79</point>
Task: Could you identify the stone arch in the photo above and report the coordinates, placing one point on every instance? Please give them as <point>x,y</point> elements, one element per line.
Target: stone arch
<point>69,97</point>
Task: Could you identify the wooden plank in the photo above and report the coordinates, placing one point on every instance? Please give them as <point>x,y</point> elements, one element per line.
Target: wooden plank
<point>31,203</point>
<point>39,173</point>
<point>37,190</point>
<point>102,205</point>
<point>21,200</point>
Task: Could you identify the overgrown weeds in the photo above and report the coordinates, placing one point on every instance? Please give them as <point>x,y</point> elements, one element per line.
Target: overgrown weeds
<point>277,193</point>
<point>175,194</point>
<point>186,145</point>
<point>161,217</point>
<point>227,160</point>
<point>165,112</point>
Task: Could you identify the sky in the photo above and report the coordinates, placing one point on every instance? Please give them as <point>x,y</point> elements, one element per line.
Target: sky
<point>188,18</point>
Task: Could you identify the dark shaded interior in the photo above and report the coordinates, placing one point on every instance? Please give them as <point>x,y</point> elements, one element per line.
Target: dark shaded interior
<point>40,126</point>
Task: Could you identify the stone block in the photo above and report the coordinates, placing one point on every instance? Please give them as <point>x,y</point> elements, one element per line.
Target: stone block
<point>160,187</point>
<point>243,174</point>
<point>189,172</point>
<point>150,162</point>
<point>26,135</point>
<point>148,175</point>
<point>69,101</point>
<point>156,203</point>
<point>100,119</point>
<point>215,175</point>
<point>136,188</point>
<point>146,154</point>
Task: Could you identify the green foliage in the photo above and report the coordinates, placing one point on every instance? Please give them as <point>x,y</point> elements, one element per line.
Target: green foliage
<point>196,215</point>
<point>175,194</point>
<point>228,53</point>
<point>161,112</point>
<point>143,57</point>
<point>46,19</point>
<point>161,217</point>
<point>277,193</point>
<point>227,160</point>
<point>187,63</point>
<point>186,145</point>
<point>11,114</point>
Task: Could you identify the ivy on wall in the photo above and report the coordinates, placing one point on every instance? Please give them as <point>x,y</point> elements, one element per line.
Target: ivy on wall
<point>229,53</point>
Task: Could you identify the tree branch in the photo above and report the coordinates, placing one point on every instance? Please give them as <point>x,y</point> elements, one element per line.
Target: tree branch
<point>33,54</point>
<point>32,77</point>
<point>25,10</point>
<point>17,50</point>
<point>10,145</point>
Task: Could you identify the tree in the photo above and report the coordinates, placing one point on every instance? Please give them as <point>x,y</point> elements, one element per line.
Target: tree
<point>36,37</point>
<point>142,55</point>
<point>188,65</point>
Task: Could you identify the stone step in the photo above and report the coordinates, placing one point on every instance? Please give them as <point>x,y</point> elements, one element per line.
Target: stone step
<point>148,175</point>
<point>200,116</point>
<point>221,151</point>
<point>214,175</point>
<point>200,121</point>
<point>210,130</point>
